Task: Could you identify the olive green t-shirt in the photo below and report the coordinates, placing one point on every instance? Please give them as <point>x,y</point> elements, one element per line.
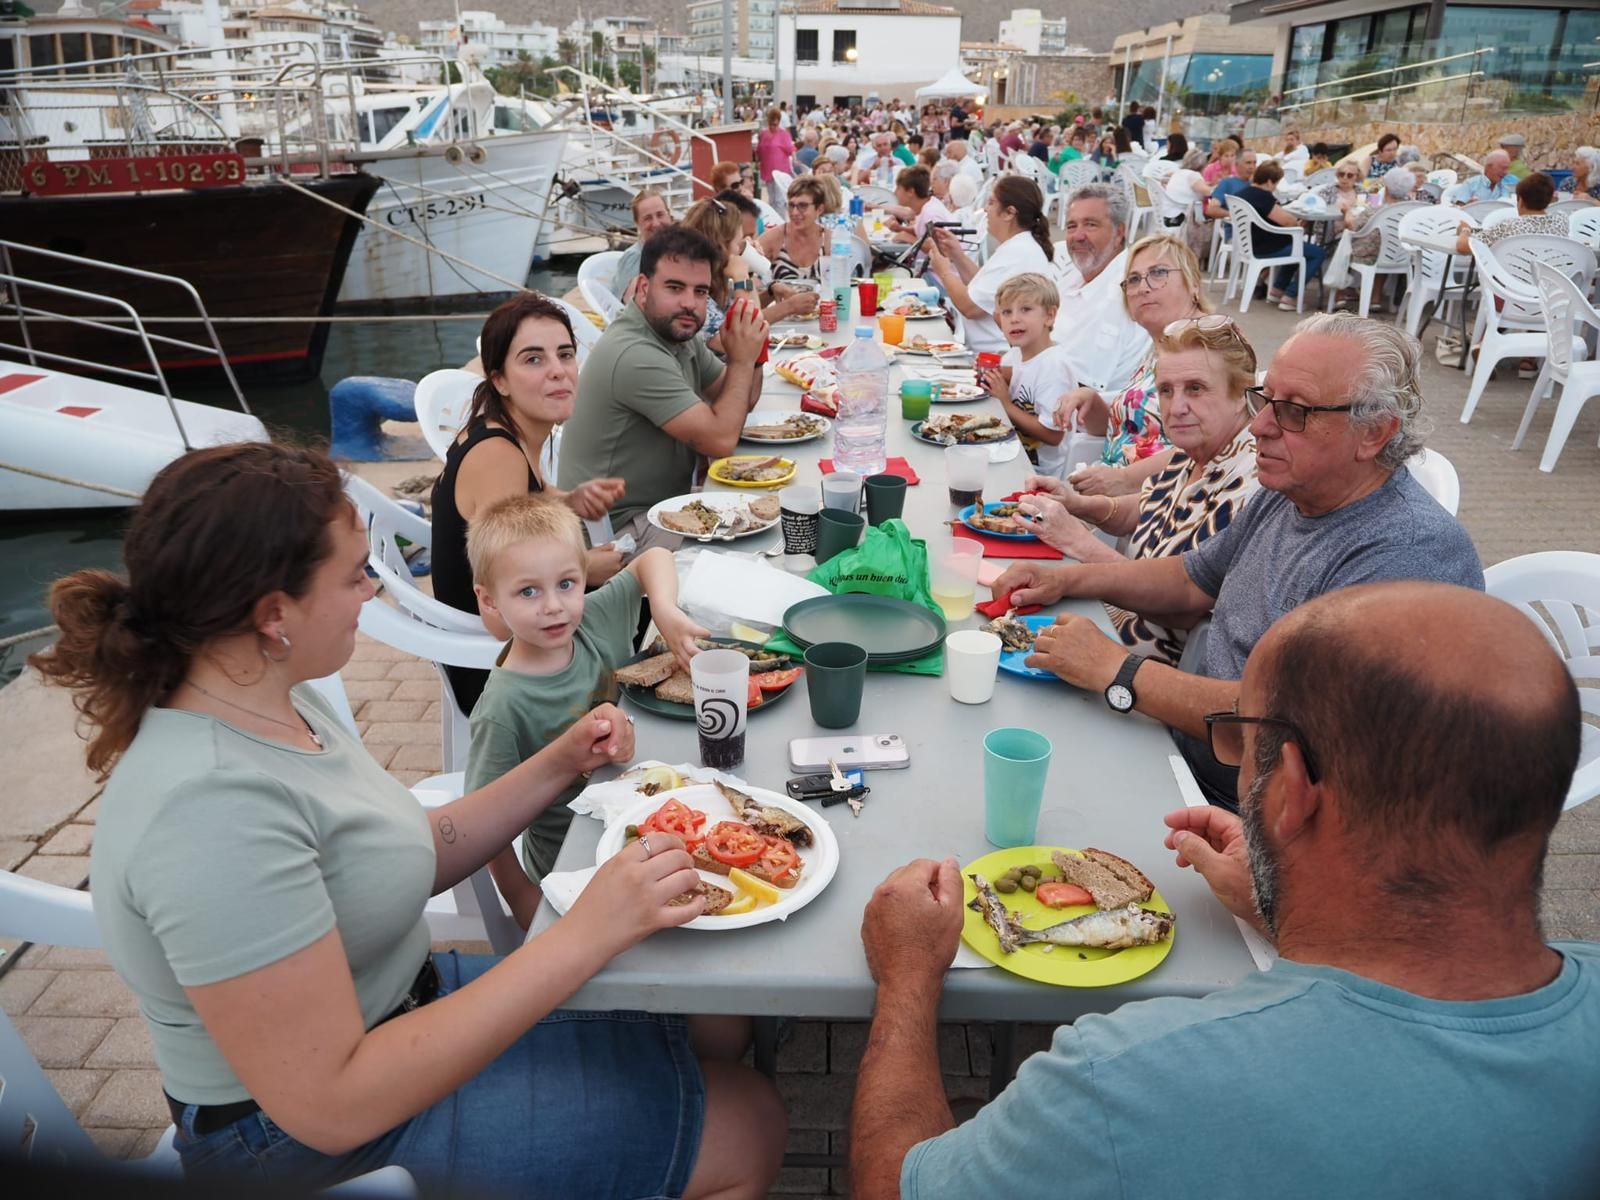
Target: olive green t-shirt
<point>518,714</point>
<point>218,852</point>
<point>634,382</point>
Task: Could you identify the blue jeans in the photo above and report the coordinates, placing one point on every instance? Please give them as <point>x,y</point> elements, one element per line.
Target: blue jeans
<point>583,1104</point>
<point>1314,257</point>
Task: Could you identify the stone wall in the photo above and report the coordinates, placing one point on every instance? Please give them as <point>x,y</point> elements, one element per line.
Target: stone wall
<point>1551,139</point>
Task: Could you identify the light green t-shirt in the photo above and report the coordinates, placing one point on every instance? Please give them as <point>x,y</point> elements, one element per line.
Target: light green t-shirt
<point>518,715</point>
<point>634,382</point>
<point>218,852</point>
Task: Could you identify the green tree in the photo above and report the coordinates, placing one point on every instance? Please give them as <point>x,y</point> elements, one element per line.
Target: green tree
<point>569,51</point>
<point>628,73</point>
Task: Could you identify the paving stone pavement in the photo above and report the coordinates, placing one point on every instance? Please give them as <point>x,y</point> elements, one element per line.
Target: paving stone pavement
<point>84,1027</point>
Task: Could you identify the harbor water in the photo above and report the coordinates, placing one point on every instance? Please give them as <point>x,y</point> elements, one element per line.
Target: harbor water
<point>34,550</point>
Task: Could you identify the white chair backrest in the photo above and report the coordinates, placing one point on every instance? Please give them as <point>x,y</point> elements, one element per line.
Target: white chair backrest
<point>1499,216</point>
<point>1157,172</point>
<point>1478,210</point>
<point>1585,226</point>
<point>594,282</point>
<point>1520,307</point>
<point>34,911</point>
<point>1027,166</point>
<point>1444,177</point>
<point>1430,220</point>
<point>443,400</point>
<point>1564,305</point>
<point>35,1123</point>
<point>1319,178</point>
<point>1438,478</point>
<point>1565,584</point>
<point>872,194</point>
<point>1572,258</point>
<point>1565,208</point>
<point>783,179</point>
<point>1245,220</point>
<point>1392,252</point>
<point>331,689</point>
<point>771,218</point>
<point>1079,172</point>
<point>583,329</point>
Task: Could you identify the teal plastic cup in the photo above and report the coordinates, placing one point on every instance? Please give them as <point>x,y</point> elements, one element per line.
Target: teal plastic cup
<point>836,675</point>
<point>1015,762</point>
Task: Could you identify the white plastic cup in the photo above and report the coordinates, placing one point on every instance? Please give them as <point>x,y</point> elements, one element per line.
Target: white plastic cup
<point>953,577</point>
<point>842,489</point>
<point>721,680</point>
<point>967,468</point>
<point>971,663</point>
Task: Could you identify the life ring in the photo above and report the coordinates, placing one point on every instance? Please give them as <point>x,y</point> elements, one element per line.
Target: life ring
<point>676,149</point>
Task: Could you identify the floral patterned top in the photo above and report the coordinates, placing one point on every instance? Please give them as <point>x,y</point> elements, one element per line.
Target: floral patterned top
<point>1179,508</point>
<point>1134,430</point>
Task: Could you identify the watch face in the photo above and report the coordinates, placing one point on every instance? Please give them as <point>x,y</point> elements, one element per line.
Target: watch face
<point>1119,697</point>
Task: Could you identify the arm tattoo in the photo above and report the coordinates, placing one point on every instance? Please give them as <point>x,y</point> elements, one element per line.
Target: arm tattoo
<point>447,830</point>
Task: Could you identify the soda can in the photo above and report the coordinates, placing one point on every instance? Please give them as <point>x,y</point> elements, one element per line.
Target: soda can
<point>828,316</point>
<point>858,206</point>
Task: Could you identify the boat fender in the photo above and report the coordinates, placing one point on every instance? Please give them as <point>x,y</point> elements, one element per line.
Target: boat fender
<point>477,154</point>
<point>358,407</point>
<point>454,155</point>
<point>674,148</point>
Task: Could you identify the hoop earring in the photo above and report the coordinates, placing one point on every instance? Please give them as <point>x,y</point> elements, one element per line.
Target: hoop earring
<point>287,648</point>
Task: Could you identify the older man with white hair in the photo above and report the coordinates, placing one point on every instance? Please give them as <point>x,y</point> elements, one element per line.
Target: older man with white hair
<point>1336,420</point>
<point>1496,183</point>
<point>870,158</point>
<point>958,152</point>
<point>1104,344</point>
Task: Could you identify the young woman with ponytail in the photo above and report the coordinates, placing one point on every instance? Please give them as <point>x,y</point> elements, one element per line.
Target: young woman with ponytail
<point>1022,244</point>
<point>259,882</point>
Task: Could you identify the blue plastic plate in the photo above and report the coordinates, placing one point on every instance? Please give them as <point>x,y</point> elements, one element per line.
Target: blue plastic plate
<point>1011,660</point>
<point>966,519</point>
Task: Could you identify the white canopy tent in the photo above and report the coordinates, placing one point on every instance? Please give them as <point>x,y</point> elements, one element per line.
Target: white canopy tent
<point>952,85</point>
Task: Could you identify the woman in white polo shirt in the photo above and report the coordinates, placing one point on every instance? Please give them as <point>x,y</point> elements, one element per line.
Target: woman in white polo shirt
<point>1022,235</point>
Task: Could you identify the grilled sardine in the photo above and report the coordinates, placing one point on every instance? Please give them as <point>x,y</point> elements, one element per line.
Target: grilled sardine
<point>775,821</point>
<point>1114,929</point>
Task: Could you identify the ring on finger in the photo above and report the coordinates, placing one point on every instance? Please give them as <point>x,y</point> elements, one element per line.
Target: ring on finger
<point>644,843</point>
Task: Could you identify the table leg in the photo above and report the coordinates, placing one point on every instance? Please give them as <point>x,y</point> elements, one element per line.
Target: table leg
<point>1003,1057</point>
<point>766,1045</point>
<point>1466,297</point>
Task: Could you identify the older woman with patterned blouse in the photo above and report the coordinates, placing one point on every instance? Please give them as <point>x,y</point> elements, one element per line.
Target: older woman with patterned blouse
<point>1203,366</point>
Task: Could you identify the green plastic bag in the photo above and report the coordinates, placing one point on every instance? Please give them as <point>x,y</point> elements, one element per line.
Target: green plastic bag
<point>888,562</point>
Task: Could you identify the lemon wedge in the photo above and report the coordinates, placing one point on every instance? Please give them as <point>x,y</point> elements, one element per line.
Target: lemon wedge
<point>752,886</point>
<point>745,903</point>
<point>664,778</point>
<point>746,634</point>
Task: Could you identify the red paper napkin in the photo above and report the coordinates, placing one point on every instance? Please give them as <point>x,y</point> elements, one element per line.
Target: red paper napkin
<point>1000,605</point>
<point>810,404</point>
<point>994,547</point>
<point>895,466</point>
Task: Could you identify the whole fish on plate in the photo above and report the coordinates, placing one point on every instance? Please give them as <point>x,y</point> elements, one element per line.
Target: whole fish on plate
<point>1112,929</point>
<point>1004,923</point>
<point>775,821</point>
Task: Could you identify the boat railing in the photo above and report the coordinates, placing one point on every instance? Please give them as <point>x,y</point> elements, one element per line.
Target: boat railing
<point>616,98</point>
<point>123,322</point>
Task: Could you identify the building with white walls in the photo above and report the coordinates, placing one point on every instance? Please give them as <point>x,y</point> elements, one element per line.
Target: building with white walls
<point>1035,33</point>
<point>844,51</point>
<point>500,43</point>
<point>755,28</point>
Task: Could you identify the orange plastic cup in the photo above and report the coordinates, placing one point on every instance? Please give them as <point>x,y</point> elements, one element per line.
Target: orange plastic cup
<point>893,328</point>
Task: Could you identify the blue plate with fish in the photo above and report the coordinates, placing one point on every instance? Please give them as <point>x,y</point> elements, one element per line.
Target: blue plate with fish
<point>1011,660</point>
<point>970,511</point>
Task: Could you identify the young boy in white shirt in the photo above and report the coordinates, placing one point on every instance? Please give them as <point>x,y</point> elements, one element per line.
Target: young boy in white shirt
<point>1034,374</point>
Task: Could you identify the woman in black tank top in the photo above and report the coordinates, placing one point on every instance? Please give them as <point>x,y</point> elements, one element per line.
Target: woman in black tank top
<point>530,364</point>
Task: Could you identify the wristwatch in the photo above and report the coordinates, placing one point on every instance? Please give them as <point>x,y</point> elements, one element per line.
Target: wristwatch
<point>1120,695</point>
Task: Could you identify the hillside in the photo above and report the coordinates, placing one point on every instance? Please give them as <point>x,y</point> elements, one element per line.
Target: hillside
<point>1091,23</point>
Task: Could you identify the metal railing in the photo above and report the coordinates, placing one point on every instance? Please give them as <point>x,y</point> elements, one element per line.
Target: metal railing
<point>129,324</point>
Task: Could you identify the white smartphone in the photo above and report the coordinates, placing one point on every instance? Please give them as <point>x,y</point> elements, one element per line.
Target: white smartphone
<point>868,751</point>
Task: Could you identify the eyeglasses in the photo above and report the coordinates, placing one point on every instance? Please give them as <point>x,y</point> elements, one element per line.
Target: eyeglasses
<point>1291,417</point>
<point>1156,277</point>
<point>1208,322</point>
<point>1346,175</point>
<point>1226,732</point>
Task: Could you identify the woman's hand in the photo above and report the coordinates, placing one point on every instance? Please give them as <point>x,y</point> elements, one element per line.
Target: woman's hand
<point>602,736</point>
<point>1086,404</point>
<point>1101,480</point>
<point>678,631</point>
<point>1048,485</point>
<point>1055,526</point>
<point>628,898</point>
<point>797,304</point>
<point>601,563</point>
<point>594,498</point>
<point>945,243</point>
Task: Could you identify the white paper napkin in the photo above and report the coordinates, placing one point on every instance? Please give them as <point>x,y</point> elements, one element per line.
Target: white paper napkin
<point>562,888</point>
<point>609,799</point>
<point>1260,949</point>
<point>740,588</point>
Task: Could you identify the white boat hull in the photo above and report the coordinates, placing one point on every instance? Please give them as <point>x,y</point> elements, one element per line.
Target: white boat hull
<point>489,213</point>
<point>101,433</point>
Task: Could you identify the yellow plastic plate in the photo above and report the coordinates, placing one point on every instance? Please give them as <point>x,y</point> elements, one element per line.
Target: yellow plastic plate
<point>1065,966</point>
<point>718,468</point>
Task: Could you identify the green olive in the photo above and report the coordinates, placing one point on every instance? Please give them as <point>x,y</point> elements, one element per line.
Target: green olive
<point>1007,886</point>
<point>630,834</point>
<point>1033,871</point>
<point>1029,883</point>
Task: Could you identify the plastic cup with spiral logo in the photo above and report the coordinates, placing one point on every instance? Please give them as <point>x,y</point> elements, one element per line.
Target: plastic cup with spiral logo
<point>893,328</point>
<point>1015,763</point>
<point>721,680</point>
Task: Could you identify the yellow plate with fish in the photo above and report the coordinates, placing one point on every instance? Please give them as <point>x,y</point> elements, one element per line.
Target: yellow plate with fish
<point>1065,966</point>
<point>753,471</point>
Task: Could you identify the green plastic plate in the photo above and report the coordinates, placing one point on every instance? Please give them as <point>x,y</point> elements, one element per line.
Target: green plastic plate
<point>889,630</point>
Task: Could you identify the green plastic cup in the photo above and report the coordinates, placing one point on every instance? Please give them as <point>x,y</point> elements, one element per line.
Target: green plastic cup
<point>915,396</point>
<point>836,675</point>
<point>1015,762</point>
<point>837,530</point>
<point>886,497</point>
<point>885,282</point>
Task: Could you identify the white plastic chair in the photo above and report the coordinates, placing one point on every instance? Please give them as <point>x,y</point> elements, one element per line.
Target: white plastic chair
<point>1516,327</point>
<point>443,400</point>
<point>1519,256</point>
<point>1565,584</point>
<point>1437,475</point>
<point>783,179</point>
<point>584,331</point>
<point>1394,256</point>
<point>387,523</point>
<point>1248,266</point>
<point>1499,216</point>
<point>1565,208</point>
<point>1319,178</point>
<point>871,193</point>
<point>1565,363</point>
<point>594,283</point>
<point>1078,172</point>
<point>1131,182</point>
<point>1432,270</point>
<point>35,1123</point>
<point>771,218</point>
<point>1444,177</point>
<point>1480,210</point>
<point>1584,226</point>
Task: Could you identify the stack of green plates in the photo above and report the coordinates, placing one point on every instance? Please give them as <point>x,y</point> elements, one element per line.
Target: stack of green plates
<point>890,631</point>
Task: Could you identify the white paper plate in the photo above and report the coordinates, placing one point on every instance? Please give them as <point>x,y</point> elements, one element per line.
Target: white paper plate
<point>762,416</point>
<point>821,859</point>
<point>716,500</point>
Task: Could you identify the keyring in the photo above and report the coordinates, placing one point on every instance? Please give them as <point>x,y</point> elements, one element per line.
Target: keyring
<point>645,842</point>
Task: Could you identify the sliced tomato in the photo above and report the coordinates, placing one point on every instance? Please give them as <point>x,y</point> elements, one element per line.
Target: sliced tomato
<point>734,843</point>
<point>1061,895</point>
<point>678,819</point>
<point>776,681</point>
<point>778,858</point>
<point>753,696</point>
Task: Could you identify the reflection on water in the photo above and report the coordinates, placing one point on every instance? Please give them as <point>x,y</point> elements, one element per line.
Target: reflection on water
<point>37,550</point>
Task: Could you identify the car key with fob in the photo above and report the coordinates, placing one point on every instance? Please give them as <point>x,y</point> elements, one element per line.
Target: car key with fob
<point>868,752</point>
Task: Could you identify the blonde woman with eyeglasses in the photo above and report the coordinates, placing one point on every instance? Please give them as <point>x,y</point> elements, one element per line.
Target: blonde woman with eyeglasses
<point>1203,367</point>
<point>1163,284</point>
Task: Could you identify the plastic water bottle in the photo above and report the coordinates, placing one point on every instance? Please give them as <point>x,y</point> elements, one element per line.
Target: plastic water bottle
<point>840,261</point>
<point>859,429</point>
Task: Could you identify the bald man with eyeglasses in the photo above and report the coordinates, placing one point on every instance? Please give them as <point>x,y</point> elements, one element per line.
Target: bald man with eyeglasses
<point>1335,422</point>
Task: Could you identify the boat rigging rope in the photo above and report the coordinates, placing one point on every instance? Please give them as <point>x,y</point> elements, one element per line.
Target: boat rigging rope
<point>80,483</point>
<point>16,639</point>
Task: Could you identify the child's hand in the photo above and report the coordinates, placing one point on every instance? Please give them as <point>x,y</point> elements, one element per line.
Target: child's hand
<point>601,563</point>
<point>594,498</point>
<point>678,631</point>
<point>601,736</point>
<point>994,379</point>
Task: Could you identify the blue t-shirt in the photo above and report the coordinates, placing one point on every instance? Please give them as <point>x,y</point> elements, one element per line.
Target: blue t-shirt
<point>1305,1082</point>
<point>1231,186</point>
<point>1477,188</point>
<point>1271,560</point>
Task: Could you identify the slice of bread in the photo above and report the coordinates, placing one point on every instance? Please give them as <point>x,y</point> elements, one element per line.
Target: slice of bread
<point>647,672</point>
<point>677,688</point>
<point>717,898</point>
<point>1123,870</point>
<point>703,860</point>
<point>1108,889</point>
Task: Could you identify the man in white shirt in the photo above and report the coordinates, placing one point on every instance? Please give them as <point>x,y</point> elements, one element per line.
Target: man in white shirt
<point>957,153</point>
<point>1103,343</point>
<point>1295,152</point>
<point>880,147</point>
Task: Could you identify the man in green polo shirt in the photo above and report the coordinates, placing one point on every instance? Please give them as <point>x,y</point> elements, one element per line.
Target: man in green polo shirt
<point>652,397</point>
